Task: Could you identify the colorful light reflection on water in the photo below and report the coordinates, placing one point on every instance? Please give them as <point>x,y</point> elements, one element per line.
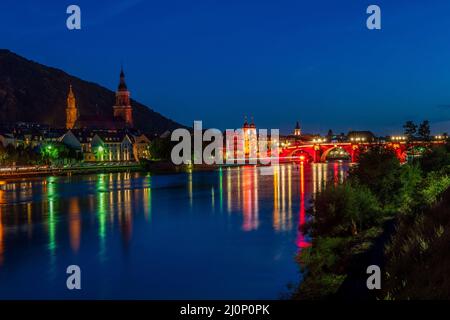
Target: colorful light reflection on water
<point>230,233</point>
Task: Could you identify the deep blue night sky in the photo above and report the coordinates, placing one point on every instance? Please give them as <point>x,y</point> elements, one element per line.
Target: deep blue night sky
<point>280,61</point>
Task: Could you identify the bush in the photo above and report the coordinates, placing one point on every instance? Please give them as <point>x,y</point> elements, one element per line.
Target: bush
<point>436,159</point>
<point>417,258</point>
<point>348,217</point>
<point>343,210</point>
<point>319,265</point>
<point>434,186</point>
<point>160,149</point>
<point>379,169</point>
<point>407,197</point>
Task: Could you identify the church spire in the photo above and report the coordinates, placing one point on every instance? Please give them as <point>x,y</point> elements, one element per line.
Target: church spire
<point>122,84</point>
<point>297,130</point>
<point>71,109</point>
<point>245,122</point>
<point>70,95</point>
<point>252,124</point>
<point>122,108</point>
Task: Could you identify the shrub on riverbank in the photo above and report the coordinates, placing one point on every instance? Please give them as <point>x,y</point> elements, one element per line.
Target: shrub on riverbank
<point>418,257</point>
<point>21,155</point>
<point>342,216</point>
<point>160,149</point>
<point>325,263</point>
<point>379,170</point>
<point>434,184</point>
<point>344,210</point>
<point>319,264</point>
<point>348,217</point>
<point>437,159</point>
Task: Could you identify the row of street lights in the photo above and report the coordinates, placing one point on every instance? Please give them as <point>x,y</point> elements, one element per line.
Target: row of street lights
<point>404,138</point>
<point>398,138</point>
<point>358,139</point>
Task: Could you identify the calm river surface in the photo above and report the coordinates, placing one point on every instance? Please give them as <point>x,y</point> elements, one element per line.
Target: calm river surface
<point>225,234</point>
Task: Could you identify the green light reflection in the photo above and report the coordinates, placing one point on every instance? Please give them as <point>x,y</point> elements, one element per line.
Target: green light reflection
<point>101,189</point>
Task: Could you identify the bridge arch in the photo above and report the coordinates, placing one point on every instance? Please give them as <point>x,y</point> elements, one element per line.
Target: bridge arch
<point>309,157</point>
<point>326,152</point>
<point>294,152</point>
<point>401,151</point>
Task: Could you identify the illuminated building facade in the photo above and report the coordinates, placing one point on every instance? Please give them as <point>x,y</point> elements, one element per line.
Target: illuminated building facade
<point>107,146</point>
<point>112,147</point>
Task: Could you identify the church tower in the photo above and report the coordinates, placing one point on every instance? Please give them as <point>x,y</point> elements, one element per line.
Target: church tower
<point>122,108</point>
<point>297,130</point>
<point>250,138</point>
<point>71,110</point>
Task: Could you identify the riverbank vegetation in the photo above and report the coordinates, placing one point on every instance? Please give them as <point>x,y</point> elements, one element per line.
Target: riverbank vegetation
<point>418,257</point>
<point>347,219</point>
<point>51,153</point>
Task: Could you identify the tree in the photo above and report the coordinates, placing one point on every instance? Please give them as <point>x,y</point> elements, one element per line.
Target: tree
<point>379,169</point>
<point>410,129</point>
<point>424,130</point>
<point>3,154</point>
<point>436,159</point>
<point>160,149</point>
<point>49,152</point>
<point>343,210</point>
<point>330,134</point>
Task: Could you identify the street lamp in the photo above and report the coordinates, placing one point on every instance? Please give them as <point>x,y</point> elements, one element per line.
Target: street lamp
<point>100,152</point>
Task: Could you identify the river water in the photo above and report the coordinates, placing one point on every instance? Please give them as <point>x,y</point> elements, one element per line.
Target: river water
<point>225,234</point>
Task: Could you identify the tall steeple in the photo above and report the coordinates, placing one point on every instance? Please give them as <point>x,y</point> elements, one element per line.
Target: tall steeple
<point>297,130</point>
<point>245,122</point>
<point>122,84</point>
<point>71,110</point>
<point>122,108</point>
<point>252,124</point>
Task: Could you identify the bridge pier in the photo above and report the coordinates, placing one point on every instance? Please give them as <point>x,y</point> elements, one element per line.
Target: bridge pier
<point>353,156</point>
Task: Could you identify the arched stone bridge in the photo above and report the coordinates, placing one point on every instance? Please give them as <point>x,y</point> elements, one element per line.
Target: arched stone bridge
<point>318,152</point>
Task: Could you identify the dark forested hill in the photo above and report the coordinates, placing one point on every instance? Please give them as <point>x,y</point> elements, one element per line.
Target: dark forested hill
<point>31,92</point>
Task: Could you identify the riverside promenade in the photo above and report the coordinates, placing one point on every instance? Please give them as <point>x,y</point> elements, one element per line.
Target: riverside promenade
<point>81,168</point>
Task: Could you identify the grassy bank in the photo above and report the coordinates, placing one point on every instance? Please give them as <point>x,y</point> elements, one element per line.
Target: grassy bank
<point>348,226</point>
<point>418,257</point>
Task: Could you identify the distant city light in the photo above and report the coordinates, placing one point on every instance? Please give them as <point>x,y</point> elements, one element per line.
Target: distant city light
<point>398,138</point>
